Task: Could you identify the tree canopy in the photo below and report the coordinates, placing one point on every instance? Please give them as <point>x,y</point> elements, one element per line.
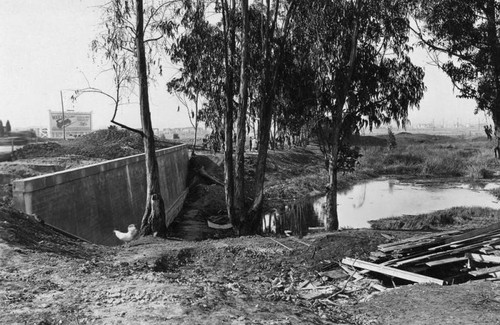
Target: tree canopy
<point>467,33</point>
<point>363,77</point>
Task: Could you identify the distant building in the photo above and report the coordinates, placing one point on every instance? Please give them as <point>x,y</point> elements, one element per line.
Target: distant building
<point>70,124</point>
<point>184,133</point>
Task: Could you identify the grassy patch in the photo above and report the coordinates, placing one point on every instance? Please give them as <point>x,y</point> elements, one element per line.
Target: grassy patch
<point>444,164</point>
<point>454,218</point>
<point>470,159</point>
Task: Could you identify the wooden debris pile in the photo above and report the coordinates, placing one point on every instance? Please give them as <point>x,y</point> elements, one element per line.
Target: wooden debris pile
<point>443,258</point>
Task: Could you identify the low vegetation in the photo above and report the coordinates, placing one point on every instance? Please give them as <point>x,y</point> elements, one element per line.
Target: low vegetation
<point>454,218</point>
<point>431,156</point>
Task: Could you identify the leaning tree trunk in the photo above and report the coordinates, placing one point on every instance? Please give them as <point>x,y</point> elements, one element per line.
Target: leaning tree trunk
<point>153,220</point>
<point>260,170</point>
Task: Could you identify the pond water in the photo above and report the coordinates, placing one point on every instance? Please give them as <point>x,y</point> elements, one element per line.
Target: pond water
<point>391,198</point>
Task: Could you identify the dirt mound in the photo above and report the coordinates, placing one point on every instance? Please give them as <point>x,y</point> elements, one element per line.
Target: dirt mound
<point>45,149</point>
<point>106,144</point>
<point>20,230</point>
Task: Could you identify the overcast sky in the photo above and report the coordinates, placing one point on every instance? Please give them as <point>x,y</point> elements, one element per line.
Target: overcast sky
<point>45,48</point>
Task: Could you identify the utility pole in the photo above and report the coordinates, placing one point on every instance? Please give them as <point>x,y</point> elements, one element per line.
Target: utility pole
<point>63,121</point>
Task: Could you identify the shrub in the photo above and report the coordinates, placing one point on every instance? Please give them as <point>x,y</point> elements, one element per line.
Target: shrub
<point>391,141</point>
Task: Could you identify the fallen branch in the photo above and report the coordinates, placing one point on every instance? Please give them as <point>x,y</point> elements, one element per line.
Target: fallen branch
<point>297,240</point>
<point>277,242</point>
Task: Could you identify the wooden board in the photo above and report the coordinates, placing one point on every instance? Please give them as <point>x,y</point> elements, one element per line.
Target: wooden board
<point>391,271</point>
<point>446,261</point>
<point>440,254</point>
<point>493,228</point>
<point>484,271</point>
<point>416,239</point>
<point>483,258</point>
<point>466,241</point>
<point>495,275</point>
<point>430,242</point>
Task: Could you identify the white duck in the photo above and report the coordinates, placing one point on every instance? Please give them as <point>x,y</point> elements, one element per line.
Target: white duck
<point>126,236</point>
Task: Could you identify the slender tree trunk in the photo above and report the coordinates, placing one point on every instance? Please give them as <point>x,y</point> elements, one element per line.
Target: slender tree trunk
<point>195,123</point>
<point>153,220</point>
<point>260,169</point>
<point>242,121</point>
<point>332,222</point>
<point>229,31</point>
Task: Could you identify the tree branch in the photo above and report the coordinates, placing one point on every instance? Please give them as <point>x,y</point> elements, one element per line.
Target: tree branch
<point>154,12</point>
<point>434,47</point>
<point>153,39</point>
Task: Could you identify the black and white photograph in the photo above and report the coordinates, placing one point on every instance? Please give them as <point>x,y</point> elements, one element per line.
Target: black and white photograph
<point>272,162</point>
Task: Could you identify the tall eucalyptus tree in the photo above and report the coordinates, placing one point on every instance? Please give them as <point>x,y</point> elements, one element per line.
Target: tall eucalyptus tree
<point>123,43</point>
<point>363,75</point>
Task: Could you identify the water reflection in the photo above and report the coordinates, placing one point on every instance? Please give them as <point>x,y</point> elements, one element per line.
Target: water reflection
<point>390,198</point>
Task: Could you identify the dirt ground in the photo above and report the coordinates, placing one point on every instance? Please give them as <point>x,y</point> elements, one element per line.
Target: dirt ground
<point>47,278</point>
<point>50,279</point>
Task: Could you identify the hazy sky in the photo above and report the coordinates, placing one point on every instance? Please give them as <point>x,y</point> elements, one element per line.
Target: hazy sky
<point>45,48</point>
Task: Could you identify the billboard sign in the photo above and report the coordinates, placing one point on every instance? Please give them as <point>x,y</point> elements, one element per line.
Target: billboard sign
<point>72,121</point>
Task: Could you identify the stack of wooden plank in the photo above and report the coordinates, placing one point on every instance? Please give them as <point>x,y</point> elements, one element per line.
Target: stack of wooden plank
<point>442,258</point>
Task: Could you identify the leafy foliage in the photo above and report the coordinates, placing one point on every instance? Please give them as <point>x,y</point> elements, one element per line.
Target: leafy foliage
<point>467,32</point>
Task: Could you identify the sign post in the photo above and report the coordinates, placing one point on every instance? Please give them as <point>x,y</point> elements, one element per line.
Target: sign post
<point>64,126</point>
<point>72,123</point>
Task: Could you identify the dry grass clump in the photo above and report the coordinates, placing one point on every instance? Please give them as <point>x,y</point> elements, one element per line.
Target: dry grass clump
<point>454,218</point>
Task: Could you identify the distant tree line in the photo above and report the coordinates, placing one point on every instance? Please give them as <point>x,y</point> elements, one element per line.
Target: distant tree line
<point>5,130</point>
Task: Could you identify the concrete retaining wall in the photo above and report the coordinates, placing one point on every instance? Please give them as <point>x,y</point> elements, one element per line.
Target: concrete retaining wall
<point>91,201</point>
